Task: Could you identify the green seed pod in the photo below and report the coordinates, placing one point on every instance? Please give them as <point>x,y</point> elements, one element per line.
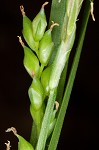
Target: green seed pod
<point>36,94</point>
<point>23,144</point>
<point>39,24</point>
<point>45,48</point>
<point>27,32</point>
<point>45,77</point>
<point>31,62</point>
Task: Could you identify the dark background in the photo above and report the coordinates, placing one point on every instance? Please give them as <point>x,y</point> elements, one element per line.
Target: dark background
<point>80,130</point>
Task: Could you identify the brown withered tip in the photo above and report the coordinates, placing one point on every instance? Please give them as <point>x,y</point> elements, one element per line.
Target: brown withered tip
<point>8,145</point>
<point>53,24</point>
<point>22,10</point>
<point>46,3</point>
<point>92,10</point>
<point>21,42</point>
<point>56,105</point>
<point>12,129</point>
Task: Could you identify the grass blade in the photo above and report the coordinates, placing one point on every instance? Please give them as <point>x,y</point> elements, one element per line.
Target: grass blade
<point>57,15</point>
<point>62,112</point>
<point>61,85</point>
<point>46,121</point>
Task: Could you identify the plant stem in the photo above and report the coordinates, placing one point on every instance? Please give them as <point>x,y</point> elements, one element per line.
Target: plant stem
<point>61,85</point>
<point>46,121</point>
<point>38,117</point>
<point>33,138</point>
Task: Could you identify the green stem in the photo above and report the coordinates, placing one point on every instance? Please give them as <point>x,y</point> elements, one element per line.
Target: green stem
<point>46,121</point>
<point>33,138</point>
<point>61,85</point>
<point>37,118</point>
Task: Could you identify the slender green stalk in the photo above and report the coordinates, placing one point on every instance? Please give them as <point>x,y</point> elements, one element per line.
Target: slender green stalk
<point>46,121</point>
<point>33,138</point>
<point>61,85</point>
<point>60,119</point>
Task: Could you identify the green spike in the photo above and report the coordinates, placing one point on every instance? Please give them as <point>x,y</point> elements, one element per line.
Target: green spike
<point>36,94</point>
<point>28,33</point>
<point>39,24</point>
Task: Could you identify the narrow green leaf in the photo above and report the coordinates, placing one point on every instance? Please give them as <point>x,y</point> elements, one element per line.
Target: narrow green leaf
<point>57,14</point>
<point>61,85</point>
<point>60,119</point>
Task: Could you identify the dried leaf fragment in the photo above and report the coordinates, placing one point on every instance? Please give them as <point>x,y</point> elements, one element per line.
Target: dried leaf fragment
<point>56,105</point>
<point>92,10</point>
<point>8,145</point>
<point>12,129</point>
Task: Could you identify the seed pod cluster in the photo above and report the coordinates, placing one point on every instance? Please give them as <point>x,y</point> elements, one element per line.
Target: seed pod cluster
<point>36,58</point>
<point>38,40</point>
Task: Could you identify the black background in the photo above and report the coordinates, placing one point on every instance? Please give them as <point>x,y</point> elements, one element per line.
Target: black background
<point>80,130</point>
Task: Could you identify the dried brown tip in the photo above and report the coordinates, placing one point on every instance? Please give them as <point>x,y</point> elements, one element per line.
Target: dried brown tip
<point>92,10</point>
<point>22,10</point>
<point>46,3</point>
<point>21,42</point>
<point>53,24</point>
<point>56,105</point>
<point>8,145</point>
<point>13,130</point>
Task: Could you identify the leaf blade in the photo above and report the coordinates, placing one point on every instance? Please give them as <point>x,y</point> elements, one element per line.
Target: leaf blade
<point>60,119</point>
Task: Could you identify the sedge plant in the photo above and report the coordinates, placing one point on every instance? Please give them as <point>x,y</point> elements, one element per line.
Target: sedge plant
<point>46,61</point>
